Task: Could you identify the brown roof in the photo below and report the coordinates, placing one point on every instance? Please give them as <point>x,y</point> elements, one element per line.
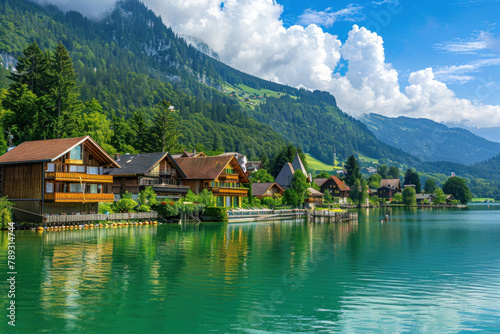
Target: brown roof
<point>320,182</point>
<point>396,183</point>
<point>339,183</point>
<point>314,193</point>
<point>52,149</point>
<point>208,168</point>
<point>259,189</point>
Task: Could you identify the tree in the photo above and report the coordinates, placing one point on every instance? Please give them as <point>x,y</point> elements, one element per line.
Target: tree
<point>393,172</point>
<point>147,197</point>
<point>430,186</point>
<point>374,181</point>
<point>457,187</point>
<point>260,175</point>
<point>409,196</point>
<point>397,198</point>
<point>299,185</point>
<point>290,198</point>
<point>328,197</point>
<point>323,175</point>
<point>383,171</point>
<point>412,178</point>
<point>439,197</point>
<point>32,70</point>
<point>95,124</point>
<point>3,143</point>
<point>359,192</point>
<point>165,129</point>
<point>352,169</point>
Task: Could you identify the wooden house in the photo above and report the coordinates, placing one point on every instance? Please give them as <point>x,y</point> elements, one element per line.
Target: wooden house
<point>285,176</point>
<point>266,189</point>
<point>337,188</point>
<point>314,198</point>
<point>157,170</point>
<point>56,176</point>
<point>389,187</point>
<point>222,175</point>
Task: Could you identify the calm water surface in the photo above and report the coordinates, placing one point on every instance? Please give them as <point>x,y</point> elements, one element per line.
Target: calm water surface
<point>425,271</point>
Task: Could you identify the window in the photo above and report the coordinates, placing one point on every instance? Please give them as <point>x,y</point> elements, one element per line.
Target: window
<point>93,189</point>
<point>76,153</point>
<point>77,169</point>
<point>220,201</point>
<point>99,188</point>
<point>93,170</point>
<point>101,170</point>
<point>49,187</point>
<point>236,202</point>
<point>51,167</point>
<point>75,188</point>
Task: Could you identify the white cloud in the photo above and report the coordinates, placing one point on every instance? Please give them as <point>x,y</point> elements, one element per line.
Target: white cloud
<point>328,17</point>
<point>459,73</point>
<point>250,36</point>
<point>484,41</point>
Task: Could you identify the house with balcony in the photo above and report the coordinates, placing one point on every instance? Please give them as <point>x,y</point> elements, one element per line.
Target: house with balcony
<point>222,175</point>
<point>336,187</point>
<point>56,176</point>
<point>157,170</point>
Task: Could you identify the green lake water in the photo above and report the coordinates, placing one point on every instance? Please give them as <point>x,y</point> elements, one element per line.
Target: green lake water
<point>422,271</point>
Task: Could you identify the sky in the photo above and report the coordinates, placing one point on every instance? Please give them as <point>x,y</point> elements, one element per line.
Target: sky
<point>431,59</point>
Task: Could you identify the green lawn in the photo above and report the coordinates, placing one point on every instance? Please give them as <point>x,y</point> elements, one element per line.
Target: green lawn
<point>319,165</point>
<point>481,200</point>
<point>368,159</point>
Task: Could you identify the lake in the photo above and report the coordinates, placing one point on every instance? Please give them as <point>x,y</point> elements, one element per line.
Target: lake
<point>422,271</point>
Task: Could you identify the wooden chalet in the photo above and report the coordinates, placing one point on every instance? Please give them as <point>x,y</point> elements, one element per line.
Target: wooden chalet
<point>266,189</point>
<point>222,175</point>
<point>336,188</point>
<point>186,154</point>
<point>56,176</point>
<point>389,187</point>
<point>314,198</point>
<point>284,178</point>
<point>157,170</point>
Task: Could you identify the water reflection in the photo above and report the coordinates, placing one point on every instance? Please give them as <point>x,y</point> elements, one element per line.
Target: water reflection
<point>417,272</point>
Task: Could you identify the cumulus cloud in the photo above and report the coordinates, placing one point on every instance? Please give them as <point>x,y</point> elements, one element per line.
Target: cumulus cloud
<point>250,36</point>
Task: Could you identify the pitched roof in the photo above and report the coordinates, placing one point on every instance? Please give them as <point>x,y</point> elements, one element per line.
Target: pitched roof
<point>298,165</point>
<point>141,163</point>
<point>208,168</point>
<point>259,189</point>
<point>284,178</point>
<point>396,183</point>
<point>341,184</point>
<point>320,181</point>
<point>314,193</point>
<point>53,149</point>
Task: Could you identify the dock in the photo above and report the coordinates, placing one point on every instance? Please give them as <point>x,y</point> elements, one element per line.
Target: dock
<point>326,216</point>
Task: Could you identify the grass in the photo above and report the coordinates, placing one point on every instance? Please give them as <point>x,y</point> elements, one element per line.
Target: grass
<point>368,159</point>
<point>319,165</point>
<point>244,92</point>
<point>481,200</point>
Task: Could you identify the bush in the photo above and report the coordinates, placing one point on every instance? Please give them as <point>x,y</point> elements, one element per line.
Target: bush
<point>106,207</point>
<point>217,214</point>
<point>268,201</point>
<point>397,198</point>
<point>144,208</point>
<point>5,213</point>
<point>125,205</point>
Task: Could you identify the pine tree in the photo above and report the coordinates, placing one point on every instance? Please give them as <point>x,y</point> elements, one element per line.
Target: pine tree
<point>352,169</point>
<point>165,129</point>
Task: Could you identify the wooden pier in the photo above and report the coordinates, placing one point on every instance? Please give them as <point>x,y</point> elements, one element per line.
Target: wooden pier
<point>325,216</point>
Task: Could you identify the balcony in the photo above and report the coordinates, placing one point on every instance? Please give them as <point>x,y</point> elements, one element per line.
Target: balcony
<point>229,177</point>
<point>79,197</point>
<point>223,191</point>
<point>78,177</point>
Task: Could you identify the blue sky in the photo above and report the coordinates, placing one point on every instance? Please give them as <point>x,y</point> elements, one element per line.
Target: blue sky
<point>420,34</point>
<point>426,59</point>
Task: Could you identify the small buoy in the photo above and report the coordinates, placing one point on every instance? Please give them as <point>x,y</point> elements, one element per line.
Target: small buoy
<point>39,228</point>
<point>155,223</point>
<point>382,221</point>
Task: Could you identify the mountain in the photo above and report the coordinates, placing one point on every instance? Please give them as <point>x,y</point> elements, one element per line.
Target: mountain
<point>492,134</point>
<point>431,141</point>
<point>130,61</point>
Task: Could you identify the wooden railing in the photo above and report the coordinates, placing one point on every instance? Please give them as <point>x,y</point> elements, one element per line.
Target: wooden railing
<point>99,217</point>
<point>77,177</point>
<point>229,177</point>
<point>228,191</point>
<point>79,197</point>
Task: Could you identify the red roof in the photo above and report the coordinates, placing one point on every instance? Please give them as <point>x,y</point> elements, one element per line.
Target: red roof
<point>50,150</point>
<point>339,183</point>
<point>208,168</point>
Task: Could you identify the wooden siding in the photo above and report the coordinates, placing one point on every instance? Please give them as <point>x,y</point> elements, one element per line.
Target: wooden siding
<point>70,208</point>
<point>79,197</point>
<point>78,177</point>
<point>23,181</point>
